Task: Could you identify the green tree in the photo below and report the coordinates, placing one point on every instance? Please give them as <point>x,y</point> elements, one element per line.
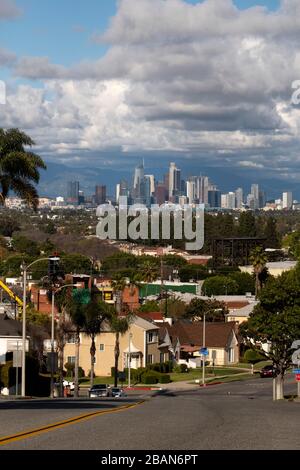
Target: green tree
<point>213,310</point>
<point>150,306</point>
<point>149,273</point>
<point>8,226</point>
<point>77,264</point>
<point>271,233</point>
<point>119,326</point>
<point>95,313</point>
<point>247,225</point>
<point>77,315</point>
<point>25,246</point>
<point>220,285</point>
<point>258,259</point>
<point>19,168</point>
<point>245,281</point>
<point>275,322</point>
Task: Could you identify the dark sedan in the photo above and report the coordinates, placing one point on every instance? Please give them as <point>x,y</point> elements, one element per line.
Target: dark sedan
<point>268,371</point>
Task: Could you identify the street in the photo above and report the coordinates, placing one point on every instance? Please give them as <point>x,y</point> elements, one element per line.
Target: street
<point>237,415</point>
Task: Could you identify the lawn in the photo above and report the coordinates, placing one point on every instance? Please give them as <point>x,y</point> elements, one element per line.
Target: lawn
<point>209,373</point>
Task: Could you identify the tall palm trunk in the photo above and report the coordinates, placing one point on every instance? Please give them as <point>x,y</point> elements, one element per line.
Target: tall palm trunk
<point>76,377</point>
<point>93,353</point>
<point>117,355</point>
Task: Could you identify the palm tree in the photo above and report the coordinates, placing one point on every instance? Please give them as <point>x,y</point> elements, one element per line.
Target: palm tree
<point>119,326</point>
<point>118,284</point>
<point>19,168</point>
<point>149,273</point>
<point>95,313</point>
<point>258,259</point>
<point>78,319</point>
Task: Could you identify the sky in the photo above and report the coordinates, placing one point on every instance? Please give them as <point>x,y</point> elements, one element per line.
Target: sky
<point>105,83</point>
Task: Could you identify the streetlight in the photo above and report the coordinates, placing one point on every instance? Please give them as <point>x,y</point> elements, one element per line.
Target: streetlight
<point>25,268</point>
<point>203,346</point>
<point>54,292</point>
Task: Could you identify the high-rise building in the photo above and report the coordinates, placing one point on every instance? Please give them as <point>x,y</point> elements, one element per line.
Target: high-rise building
<point>239,198</point>
<point>174,181</point>
<point>255,194</point>
<point>161,193</point>
<point>228,201</point>
<point>214,198</point>
<point>122,189</point>
<point>202,185</point>
<point>73,192</point>
<point>287,200</point>
<point>191,190</point>
<point>152,183</point>
<point>262,199</point>
<point>100,194</point>
<point>81,198</point>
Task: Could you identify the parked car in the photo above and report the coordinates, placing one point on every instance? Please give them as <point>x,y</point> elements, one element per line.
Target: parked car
<point>99,390</point>
<point>66,383</point>
<point>117,392</point>
<point>268,371</point>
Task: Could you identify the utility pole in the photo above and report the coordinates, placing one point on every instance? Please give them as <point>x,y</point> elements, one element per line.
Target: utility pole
<point>203,356</point>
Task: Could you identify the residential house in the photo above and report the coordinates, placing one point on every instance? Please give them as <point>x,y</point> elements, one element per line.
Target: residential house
<point>10,337</point>
<point>140,343</point>
<point>221,340</point>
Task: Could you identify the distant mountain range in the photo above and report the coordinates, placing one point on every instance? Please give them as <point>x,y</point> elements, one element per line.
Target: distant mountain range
<point>54,181</point>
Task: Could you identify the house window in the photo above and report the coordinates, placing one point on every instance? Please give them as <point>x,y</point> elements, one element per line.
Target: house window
<point>72,339</point>
<point>162,357</point>
<point>231,355</point>
<point>101,348</point>
<point>152,337</point>
<point>150,359</point>
<point>71,359</point>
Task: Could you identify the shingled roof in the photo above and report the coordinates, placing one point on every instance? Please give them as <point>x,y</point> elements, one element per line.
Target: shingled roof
<point>9,327</point>
<point>217,335</point>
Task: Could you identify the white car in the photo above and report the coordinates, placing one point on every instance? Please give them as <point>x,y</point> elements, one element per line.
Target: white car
<point>66,383</point>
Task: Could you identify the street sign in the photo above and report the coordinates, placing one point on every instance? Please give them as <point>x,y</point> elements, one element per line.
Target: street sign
<point>17,358</point>
<point>298,377</point>
<point>52,362</point>
<point>204,351</point>
<point>296,371</point>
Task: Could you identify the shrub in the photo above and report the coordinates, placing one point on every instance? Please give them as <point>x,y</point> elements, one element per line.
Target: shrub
<point>252,357</point>
<point>184,368</point>
<point>149,379</point>
<point>165,379</point>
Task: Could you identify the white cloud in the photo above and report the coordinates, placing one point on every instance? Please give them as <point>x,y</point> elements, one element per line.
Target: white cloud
<point>198,79</point>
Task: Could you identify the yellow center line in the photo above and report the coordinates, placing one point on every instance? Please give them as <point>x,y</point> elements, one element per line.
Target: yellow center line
<point>62,424</point>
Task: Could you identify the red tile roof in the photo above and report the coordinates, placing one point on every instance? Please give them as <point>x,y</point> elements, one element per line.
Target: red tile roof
<point>154,316</point>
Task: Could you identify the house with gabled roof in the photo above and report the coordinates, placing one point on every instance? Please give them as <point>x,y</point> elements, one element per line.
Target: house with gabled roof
<point>221,341</point>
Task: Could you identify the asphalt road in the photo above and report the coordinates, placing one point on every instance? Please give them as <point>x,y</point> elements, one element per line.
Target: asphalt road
<point>237,415</point>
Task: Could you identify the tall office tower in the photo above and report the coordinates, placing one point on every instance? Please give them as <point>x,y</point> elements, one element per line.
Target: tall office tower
<point>122,189</point>
<point>239,198</point>
<point>262,199</point>
<point>174,181</point>
<point>191,191</point>
<point>147,192</point>
<point>202,185</point>
<point>255,194</point>
<point>224,201</point>
<point>250,201</point>
<point>73,192</point>
<point>118,187</point>
<point>81,198</point>
<point>287,200</point>
<point>100,194</point>
<point>152,183</point>
<point>214,198</point>
<point>138,189</point>
<point>161,193</point>
<point>228,201</point>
